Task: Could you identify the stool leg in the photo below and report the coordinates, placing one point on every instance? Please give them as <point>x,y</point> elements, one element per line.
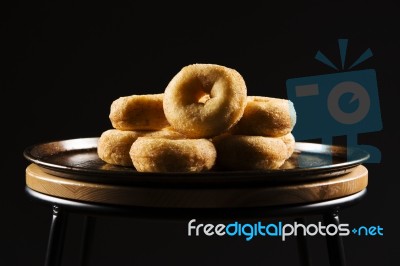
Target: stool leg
<point>89,223</point>
<point>56,237</point>
<point>302,246</point>
<point>335,242</point>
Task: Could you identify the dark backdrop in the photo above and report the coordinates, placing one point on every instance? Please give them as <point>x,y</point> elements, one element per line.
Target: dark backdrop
<point>63,68</point>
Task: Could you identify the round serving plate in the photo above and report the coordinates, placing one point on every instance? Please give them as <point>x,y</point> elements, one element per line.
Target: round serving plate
<point>77,159</point>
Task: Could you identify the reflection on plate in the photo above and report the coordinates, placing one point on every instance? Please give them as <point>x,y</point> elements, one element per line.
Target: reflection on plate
<point>77,159</point>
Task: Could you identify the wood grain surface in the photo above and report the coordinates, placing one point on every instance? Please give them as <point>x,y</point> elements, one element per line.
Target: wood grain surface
<point>197,197</point>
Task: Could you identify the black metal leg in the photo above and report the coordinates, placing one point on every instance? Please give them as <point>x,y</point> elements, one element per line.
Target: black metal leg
<point>302,246</point>
<point>335,242</point>
<point>87,239</point>
<point>56,237</point>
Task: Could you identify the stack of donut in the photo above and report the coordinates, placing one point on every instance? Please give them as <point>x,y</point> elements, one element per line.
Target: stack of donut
<point>203,120</point>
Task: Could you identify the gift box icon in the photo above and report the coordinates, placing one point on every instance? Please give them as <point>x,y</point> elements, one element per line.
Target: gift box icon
<point>342,103</point>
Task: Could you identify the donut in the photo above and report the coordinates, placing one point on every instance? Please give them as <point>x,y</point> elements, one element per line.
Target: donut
<point>138,112</point>
<point>167,155</point>
<point>289,164</point>
<point>265,116</point>
<point>114,145</point>
<point>239,152</point>
<point>204,100</point>
<point>289,141</point>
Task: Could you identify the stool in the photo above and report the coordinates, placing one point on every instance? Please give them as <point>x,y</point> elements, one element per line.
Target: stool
<point>324,197</point>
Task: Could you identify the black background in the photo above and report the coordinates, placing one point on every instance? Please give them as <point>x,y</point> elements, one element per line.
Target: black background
<point>63,68</point>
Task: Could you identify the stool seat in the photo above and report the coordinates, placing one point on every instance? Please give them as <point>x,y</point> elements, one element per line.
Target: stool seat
<point>258,195</point>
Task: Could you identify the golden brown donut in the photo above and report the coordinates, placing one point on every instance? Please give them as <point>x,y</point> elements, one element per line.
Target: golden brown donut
<point>289,140</point>
<point>239,152</point>
<point>114,145</point>
<point>138,112</point>
<point>203,100</point>
<point>265,116</point>
<point>165,155</point>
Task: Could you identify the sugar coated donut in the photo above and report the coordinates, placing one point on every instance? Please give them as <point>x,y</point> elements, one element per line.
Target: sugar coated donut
<point>289,140</point>
<point>138,112</point>
<point>203,100</point>
<point>164,155</point>
<point>114,145</point>
<point>239,152</point>
<point>265,116</point>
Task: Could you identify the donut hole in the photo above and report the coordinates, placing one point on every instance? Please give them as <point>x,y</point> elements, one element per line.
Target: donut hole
<point>195,91</point>
<point>204,98</point>
<point>202,92</point>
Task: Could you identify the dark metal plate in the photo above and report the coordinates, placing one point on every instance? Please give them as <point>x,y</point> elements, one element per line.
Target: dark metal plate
<point>77,159</point>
